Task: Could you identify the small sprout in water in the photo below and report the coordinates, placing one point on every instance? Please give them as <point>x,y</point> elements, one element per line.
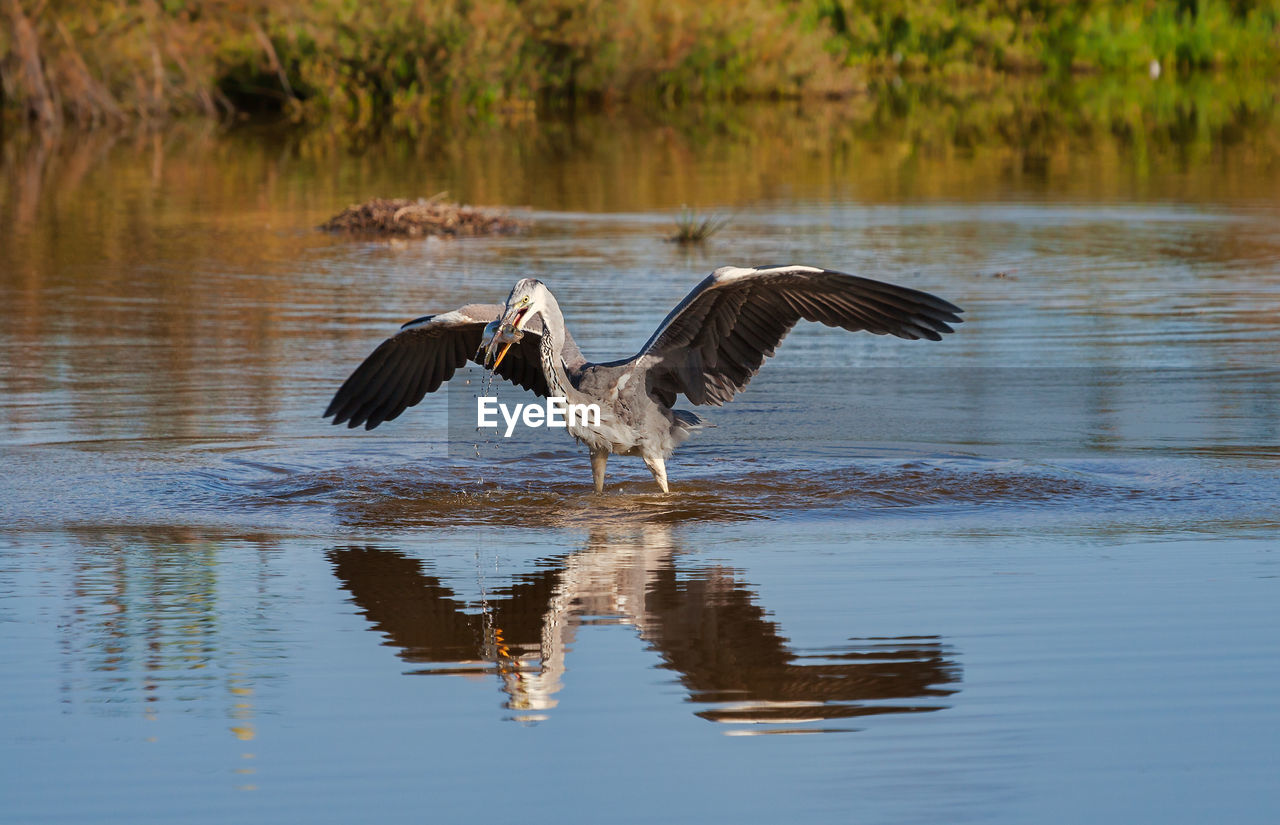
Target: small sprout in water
<point>690,228</point>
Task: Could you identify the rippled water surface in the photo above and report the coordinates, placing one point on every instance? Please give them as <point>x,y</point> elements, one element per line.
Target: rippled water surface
<point>1025,574</point>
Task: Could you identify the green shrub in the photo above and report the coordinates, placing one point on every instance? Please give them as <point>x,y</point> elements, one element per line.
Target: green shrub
<point>371,63</point>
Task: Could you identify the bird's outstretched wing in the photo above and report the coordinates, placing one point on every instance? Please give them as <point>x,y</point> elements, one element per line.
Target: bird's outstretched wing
<point>715,340</point>
<point>422,356</point>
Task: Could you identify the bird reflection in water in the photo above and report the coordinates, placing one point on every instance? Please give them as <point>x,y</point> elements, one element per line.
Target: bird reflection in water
<point>702,620</point>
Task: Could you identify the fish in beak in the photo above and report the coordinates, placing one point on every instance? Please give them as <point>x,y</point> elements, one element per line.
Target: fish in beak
<point>499,335</point>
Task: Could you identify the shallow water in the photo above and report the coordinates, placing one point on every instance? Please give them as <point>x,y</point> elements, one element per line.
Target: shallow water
<point>1027,573</point>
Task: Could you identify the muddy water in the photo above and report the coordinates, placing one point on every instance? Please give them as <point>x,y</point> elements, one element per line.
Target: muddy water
<point>1024,574</point>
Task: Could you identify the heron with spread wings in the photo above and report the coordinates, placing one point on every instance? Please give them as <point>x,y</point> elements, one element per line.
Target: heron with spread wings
<point>707,349</point>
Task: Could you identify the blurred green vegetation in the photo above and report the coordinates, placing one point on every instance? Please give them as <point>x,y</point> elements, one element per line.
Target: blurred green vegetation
<point>405,64</point>
<point>959,38</point>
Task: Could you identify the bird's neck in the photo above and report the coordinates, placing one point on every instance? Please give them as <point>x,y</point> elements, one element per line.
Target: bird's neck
<point>552,354</point>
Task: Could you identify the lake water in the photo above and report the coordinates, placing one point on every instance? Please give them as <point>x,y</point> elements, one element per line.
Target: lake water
<point>1025,574</point>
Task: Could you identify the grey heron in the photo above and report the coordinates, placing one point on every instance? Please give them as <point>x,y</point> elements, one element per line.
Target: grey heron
<point>707,349</point>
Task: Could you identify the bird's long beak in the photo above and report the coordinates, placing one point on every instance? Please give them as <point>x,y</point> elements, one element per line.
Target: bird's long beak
<point>501,355</point>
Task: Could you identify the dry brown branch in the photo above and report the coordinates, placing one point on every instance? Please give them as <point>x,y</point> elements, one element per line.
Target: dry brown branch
<point>274,65</point>
<point>98,100</point>
<point>41,102</point>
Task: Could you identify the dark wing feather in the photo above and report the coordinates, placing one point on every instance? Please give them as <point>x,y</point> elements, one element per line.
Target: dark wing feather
<point>423,355</point>
<point>716,339</point>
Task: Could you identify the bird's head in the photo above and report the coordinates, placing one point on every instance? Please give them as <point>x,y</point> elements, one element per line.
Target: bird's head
<point>529,297</point>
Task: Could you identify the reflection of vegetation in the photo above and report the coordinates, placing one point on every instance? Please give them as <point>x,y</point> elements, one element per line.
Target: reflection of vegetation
<point>1191,115</point>
<point>1091,137</point>
<point>145,625</point>
<point>1095,137</point>
<point>404,62</point>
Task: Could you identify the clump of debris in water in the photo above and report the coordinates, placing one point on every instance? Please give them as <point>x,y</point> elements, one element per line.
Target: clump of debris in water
<point>434,216</point>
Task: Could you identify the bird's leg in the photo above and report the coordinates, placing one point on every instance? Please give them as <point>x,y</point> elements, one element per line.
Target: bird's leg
<point>599,458</point>
<point>658,467</point>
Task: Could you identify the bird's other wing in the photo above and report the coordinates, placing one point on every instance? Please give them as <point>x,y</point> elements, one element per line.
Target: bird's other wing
<point>715,340</point>
<point>424,354</point>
